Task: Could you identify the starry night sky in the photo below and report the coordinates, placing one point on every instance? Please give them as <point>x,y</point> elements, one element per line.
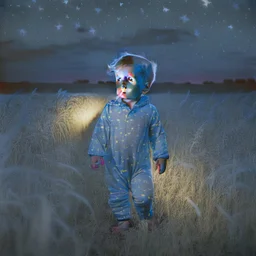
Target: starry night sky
<point>66,40</point>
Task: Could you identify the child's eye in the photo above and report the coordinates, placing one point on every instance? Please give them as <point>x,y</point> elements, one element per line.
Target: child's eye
<point>118,79</point>
<point>130,79</point>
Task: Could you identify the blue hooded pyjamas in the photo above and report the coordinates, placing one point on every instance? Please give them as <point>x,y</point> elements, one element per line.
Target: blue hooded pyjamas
<point>122,136</point>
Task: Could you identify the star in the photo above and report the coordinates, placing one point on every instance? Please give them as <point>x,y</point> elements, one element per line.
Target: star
<point>67,17</point>
<point>22,32</point>
<point>165,9</point>
<point>230,27</point>
<point>196,32</point>
<point>121,4</point>
<point>184,18</point>
<point>65,2</point>
<point>40,8</point>
<point>92,31</point>
<point>236,6</point>
<point>78,8</point>
<point>206,3</point>
<point>118,18</point>
<point>59,26</point>
<point>77,25</point>
<point>98,10</point>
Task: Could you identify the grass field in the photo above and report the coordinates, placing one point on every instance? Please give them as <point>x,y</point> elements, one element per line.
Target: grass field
<point>52,203</point>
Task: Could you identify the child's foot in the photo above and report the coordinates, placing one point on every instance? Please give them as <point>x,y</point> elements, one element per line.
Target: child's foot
<point>148,225</point>
<point>152,223</point>
<point>121,226</point>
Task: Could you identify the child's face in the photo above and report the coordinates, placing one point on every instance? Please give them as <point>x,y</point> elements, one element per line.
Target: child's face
<point>128,85</point>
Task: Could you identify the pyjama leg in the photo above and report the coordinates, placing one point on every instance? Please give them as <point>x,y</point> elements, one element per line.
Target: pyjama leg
<point>118,186</point>
<point>142,188</point>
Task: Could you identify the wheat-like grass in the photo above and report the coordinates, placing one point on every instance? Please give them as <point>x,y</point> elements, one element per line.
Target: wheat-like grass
<point>51,203</point>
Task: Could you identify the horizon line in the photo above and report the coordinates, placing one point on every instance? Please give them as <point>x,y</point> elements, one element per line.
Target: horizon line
<point>86,81</point>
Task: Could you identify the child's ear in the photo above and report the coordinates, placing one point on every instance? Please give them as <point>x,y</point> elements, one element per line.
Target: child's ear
<point>110,70</point>
<point>146,88</point>
<point>150,75</point>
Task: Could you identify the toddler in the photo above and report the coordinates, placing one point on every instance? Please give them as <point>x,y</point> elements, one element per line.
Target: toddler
<point>123,135</point>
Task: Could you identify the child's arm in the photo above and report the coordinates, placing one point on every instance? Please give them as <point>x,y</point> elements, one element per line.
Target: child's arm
<point>101,134</point>
<point>157,137</point>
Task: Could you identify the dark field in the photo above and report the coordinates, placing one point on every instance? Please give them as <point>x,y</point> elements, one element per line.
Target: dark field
<point>53,204</point>
<point>157,88</point>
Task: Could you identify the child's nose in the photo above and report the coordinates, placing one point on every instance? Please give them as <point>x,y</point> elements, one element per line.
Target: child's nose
<point>125,80</point>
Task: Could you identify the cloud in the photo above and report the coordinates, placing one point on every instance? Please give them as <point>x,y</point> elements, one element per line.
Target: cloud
<point>230,55</point>
<point>14,55</point>
<point>143,37</point>
<point>156,37</point>
<point>81,30</point>
<point>251,62</point>
<point>14,51</point>
<point>6,43</point>
<point>233,73</point>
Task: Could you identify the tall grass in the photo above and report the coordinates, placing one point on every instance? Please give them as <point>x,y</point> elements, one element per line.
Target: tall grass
<point>51,203</point>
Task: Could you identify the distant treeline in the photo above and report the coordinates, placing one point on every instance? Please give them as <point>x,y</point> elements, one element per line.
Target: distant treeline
<point>225,81</point>
<point>84,86</point>
<point>86,81</point>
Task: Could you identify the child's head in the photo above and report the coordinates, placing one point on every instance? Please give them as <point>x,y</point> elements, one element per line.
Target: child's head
<point>134,75</point>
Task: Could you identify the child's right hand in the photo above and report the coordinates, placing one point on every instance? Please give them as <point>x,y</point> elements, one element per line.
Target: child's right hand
<point>96,161</point>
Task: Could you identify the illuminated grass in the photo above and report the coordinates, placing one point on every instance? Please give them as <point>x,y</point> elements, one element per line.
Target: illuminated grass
<point>51,203</point>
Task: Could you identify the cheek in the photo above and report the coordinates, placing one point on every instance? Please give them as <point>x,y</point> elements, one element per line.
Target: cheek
<point>136,88</point>
<point>139,82</point>
<point>135,91</point>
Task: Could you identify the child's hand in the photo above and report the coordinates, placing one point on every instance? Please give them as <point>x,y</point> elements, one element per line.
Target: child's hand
<point>96,161</point>
<point>161,165</point>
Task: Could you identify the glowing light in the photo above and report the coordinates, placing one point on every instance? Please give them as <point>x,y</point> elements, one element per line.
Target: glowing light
<point>79,112</point>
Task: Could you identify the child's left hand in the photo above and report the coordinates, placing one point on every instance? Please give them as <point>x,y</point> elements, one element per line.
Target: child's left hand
<point>161,165</point>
